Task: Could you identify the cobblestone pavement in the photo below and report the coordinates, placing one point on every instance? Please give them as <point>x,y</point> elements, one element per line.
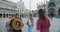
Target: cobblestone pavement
<point>55,25</point>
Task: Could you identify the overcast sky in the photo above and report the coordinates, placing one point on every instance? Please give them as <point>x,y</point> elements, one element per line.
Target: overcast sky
<point>33,3</point>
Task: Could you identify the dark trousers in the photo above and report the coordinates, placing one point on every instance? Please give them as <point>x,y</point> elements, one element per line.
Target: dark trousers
<point>17,30</point>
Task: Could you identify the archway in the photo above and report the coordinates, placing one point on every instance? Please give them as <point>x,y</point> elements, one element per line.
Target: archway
<point>59,12</point>
<point>4,15</point>
<point>0,15</point>
<point>51,12</point>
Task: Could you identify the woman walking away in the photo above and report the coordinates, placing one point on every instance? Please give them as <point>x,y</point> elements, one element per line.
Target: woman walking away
<point>43,22</point>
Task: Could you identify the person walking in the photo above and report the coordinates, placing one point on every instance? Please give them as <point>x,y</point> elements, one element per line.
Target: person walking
<point>43,23</point>
<point>30,23</point>
<point>8,24</point>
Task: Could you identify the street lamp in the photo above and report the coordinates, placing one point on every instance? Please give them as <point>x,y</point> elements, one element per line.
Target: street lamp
<point>30,5</point>
<point>44,6</point>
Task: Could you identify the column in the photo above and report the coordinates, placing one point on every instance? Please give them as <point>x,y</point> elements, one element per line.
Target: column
<point>8,14</point>
<point>2,15</point>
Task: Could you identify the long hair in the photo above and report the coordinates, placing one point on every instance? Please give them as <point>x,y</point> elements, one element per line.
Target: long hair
<point>17,15</point>
<point>41,14</point>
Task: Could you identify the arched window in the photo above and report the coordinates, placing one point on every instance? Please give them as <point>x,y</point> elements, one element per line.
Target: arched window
<point>51,10</point>
<point>51,4</point>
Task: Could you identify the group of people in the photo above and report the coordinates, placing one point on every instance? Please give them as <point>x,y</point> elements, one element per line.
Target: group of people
<point>43,22</point>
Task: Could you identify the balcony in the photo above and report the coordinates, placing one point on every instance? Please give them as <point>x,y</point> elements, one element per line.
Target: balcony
<point>6,5</point>
<point>4,10</point>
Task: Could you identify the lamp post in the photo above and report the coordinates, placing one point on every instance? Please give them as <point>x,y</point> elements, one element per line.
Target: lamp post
<point>44,6</point>
<point>18,8</point>
<point>30,5</point>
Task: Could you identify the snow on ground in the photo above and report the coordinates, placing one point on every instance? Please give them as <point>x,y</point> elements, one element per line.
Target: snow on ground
<point>55,25</point>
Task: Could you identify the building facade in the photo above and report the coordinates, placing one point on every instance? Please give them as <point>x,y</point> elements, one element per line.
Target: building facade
<point>7,8</point>
<point>21,8</point>
<point>39,7</point>
<point>54,7</point>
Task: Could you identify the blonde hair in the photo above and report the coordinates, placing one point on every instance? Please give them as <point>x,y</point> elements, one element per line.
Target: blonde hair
<point>30,14</point>
<point>16,14</point>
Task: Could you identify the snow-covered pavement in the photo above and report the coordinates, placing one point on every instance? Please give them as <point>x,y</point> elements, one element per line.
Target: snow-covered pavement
<point>55,25</point>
